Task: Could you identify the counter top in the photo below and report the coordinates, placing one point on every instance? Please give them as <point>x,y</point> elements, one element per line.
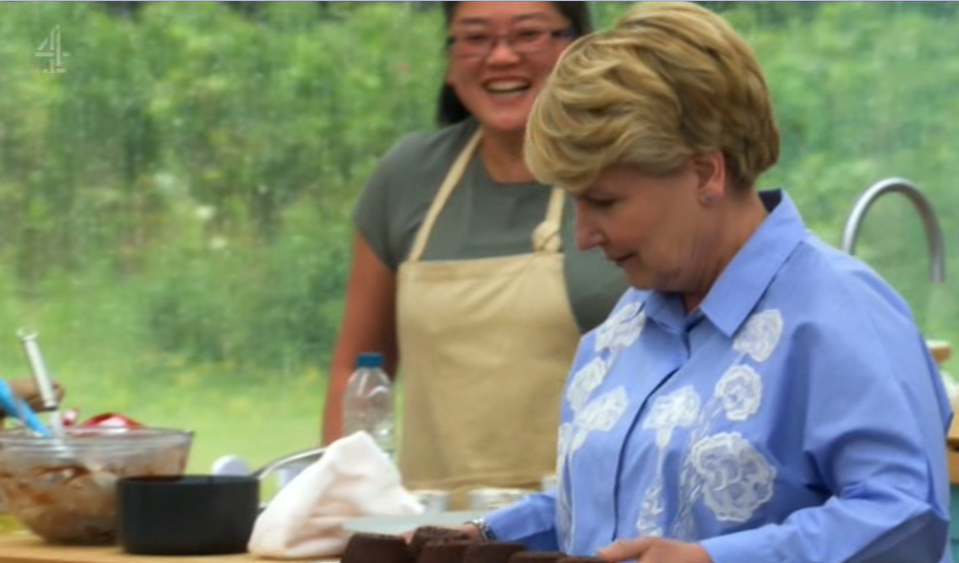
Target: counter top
<point>952,450</point>
<point>24,548</point>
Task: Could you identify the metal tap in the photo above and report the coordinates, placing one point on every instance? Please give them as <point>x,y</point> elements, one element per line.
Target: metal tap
<point>937,251</point>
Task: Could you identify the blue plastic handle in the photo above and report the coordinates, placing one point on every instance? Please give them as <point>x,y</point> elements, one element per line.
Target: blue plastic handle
<point>19,409</point>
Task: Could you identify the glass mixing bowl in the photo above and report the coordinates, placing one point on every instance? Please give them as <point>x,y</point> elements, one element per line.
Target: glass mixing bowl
<point>65,490</point>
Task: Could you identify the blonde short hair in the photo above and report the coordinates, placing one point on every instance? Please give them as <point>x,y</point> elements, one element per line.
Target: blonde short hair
<point>671,80</point>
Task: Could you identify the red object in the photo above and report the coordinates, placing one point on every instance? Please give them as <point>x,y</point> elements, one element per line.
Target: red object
<point>71,417</point>
<point>110,420</point>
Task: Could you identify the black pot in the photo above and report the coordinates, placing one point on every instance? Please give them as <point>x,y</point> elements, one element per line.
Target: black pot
<point>186,515</point>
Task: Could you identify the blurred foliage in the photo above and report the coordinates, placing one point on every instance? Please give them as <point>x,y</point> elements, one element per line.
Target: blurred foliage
<point>209,158</point>
<point>178,200</point>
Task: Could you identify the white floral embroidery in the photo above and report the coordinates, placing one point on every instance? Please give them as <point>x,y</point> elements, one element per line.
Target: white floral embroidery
<point>579,438</point>
<point>565,519</point>
<point>602,413</point>
<point>740,389</point>
<point>650,511</point>
<point>684,528</point>
<point>760,335</point>
<point>585,381</point>
<point>737,478</point>
<point>621,329</point>
<point>628,332</point>
<point>563,446</point>
<point>677,409</point>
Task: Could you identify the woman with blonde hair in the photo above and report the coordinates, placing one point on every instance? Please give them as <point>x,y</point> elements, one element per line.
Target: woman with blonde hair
<point>757,396</point>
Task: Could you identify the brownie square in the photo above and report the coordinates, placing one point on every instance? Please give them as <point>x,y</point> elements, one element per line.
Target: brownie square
<point>376,548</point>
<point>425,534</point>
<point>444,551</point>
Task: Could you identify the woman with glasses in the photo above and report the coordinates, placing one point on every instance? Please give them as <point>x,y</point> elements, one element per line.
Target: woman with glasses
<point>465,271</point>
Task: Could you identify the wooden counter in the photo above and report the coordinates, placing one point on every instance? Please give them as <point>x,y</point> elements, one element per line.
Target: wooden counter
<point>952,449</point>
<point>942,351</point>
<point>23,548</point>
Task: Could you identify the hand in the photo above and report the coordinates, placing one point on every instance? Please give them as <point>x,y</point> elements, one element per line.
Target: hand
<point>471,530</point>
<point>27,390</point>
<point>655,550</point>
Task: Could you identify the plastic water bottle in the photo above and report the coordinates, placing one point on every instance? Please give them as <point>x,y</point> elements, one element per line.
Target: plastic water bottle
<point>368,402</point>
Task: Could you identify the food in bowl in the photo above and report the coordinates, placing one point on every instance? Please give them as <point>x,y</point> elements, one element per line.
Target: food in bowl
<point>65,491</point>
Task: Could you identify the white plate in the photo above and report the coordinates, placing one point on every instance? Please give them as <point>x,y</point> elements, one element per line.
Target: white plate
<point>396,525</point>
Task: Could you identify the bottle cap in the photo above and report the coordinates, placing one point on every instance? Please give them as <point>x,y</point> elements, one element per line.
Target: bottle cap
<point>369,360</point>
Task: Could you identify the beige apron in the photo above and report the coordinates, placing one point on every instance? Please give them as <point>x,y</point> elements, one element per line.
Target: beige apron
<point>485,346</point>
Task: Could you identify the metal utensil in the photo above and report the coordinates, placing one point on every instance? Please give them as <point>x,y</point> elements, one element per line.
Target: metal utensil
<point>232,465</point>
<point>312,454</point>
<point>48,397</point>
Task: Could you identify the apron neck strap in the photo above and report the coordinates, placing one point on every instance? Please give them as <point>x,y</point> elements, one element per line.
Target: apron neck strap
<point>446,188</point>
<point>546,236</point>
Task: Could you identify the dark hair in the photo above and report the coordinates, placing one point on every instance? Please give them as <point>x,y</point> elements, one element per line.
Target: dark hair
<point>450,109</point>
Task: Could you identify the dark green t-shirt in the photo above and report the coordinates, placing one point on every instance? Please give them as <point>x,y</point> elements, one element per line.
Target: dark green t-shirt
<point>481,219</point>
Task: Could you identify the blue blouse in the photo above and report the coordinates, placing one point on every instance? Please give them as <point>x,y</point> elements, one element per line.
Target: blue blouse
<point>796,417</point>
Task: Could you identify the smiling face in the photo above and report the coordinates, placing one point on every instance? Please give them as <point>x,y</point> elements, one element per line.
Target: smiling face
<point>499,88</point>
<point>665,231</point>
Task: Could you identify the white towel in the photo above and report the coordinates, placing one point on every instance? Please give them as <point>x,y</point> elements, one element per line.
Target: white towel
<point>353,478</point>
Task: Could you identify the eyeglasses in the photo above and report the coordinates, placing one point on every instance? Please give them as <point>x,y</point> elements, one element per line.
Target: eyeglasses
<point>479,44</point>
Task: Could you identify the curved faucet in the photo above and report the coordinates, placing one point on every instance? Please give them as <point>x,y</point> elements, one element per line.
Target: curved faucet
<point>937,252</point>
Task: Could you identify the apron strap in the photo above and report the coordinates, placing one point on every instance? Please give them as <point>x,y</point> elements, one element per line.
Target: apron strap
<point>548,235</point>
<point>452,179</point>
